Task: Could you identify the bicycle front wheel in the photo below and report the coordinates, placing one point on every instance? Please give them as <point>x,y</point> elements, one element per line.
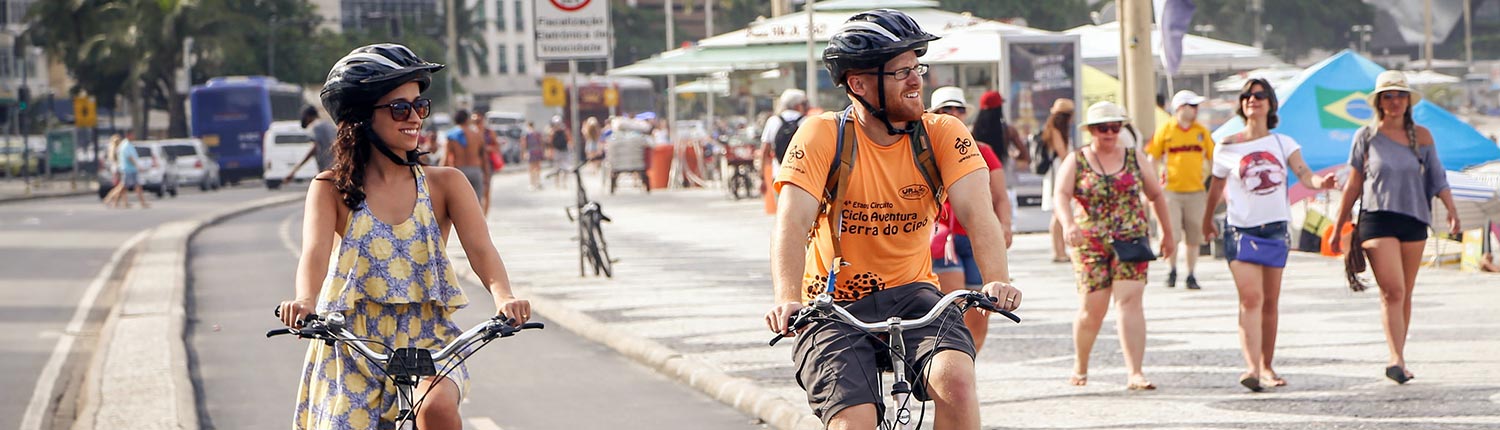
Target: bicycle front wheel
<point>599,249</point>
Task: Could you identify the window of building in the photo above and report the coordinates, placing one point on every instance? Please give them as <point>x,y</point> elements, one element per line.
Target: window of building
<point>500,16</point>
<point>520,17</point>
<point>500,54</point>
<point>521,59</point>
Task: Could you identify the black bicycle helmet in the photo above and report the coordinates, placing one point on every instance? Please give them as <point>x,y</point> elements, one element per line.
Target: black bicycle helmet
<point>368,73</point>
<point>870,39</point>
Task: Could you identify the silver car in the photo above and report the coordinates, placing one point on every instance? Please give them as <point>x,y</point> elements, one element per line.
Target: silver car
<point>194,166</point>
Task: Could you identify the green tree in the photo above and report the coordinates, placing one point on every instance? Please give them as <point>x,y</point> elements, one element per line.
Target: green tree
<point>76,33</point>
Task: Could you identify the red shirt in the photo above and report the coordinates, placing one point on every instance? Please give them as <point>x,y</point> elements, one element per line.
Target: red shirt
<point>995,166</point>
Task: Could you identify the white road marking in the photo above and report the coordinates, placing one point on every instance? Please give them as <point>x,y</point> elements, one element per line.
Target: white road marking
<point>483,423</point>
<point>42,395</point>
<point>285,232</point>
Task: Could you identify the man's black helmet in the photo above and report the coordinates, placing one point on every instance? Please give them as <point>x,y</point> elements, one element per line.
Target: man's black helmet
<point>870,39</point>
<point>368,73</point>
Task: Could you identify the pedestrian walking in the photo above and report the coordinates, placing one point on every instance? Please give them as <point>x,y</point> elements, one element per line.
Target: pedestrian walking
<point>777,133</point>
<point>1250,171</point>
<point>952,252</point>
<point>115,197</point>
<point>130,173</point>
<point>991,128</point>
<point>1111,251</point>
<point>393,282</point>
<point>535,152</point>
<point>322,132</point>
<point>1395,173</point>
<point>1057,136</point>
<point>466,151</point>
<point>1182,148</point>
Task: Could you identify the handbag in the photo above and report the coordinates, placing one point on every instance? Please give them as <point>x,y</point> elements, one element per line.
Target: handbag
<point>1041,155</point>
<point>1134,250</point>
<point>1259,250</point>
<point>941,245</point>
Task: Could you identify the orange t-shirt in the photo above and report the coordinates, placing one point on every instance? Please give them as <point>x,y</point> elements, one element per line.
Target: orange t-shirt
<point>888,210</point>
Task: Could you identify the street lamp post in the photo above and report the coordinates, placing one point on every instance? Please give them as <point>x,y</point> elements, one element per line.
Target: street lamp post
<point>1362,33</point>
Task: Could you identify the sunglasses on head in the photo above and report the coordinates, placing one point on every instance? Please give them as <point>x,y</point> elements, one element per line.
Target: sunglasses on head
<point>1393,95</point>
<point>1108,127</point>
<point>1258,95</point>
<point>401,109</point>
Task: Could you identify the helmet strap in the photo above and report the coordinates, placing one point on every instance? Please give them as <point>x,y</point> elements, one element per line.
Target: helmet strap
<point>411,156</point>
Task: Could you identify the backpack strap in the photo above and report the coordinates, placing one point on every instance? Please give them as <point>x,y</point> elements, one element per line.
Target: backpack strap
<point>834,187</point>
<point>921,146</point>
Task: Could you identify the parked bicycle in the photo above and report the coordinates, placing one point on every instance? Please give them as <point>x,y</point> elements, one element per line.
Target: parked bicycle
<point>739,162</point>
<point>822,309</point>
<point>405,367</point>
<point>592,248</point>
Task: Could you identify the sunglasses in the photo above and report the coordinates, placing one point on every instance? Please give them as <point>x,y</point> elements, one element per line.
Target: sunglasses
<point>954,110</point>
<point>1258,95</point>
<point>401,109</point>
<point>1108,127</point>
<point>1393,95</point>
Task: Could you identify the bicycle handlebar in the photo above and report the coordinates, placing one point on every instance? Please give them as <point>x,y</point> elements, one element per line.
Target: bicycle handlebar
<point>331,328</point>
<point>823,306</point>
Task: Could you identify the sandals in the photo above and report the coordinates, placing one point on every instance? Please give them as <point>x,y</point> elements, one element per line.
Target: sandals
<point>1398,374</point>
<point>1079,380</point>
<point>1140,386</point>
<point>1252,382</point>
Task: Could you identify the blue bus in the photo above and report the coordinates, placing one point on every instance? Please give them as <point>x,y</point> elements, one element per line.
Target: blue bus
<point>231,115</point>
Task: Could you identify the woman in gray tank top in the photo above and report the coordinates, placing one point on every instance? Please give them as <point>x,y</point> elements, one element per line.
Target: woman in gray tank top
<point>1395,174</point>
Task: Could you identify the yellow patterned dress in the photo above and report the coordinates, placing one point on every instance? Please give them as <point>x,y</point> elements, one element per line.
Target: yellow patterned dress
<point>394,284</point>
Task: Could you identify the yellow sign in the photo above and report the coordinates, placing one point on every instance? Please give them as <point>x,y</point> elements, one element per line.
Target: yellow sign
<point>611,97</point>
<point>84,112</point>
<point>553,93</point>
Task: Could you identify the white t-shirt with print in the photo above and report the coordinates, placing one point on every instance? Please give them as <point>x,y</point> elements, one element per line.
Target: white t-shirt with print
<point>1255,174</point>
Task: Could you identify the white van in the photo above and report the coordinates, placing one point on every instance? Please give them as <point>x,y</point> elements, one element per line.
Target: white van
<point>285,144</point>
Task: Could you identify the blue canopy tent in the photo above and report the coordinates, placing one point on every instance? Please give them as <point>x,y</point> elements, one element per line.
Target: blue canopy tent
<point>1325,105</point>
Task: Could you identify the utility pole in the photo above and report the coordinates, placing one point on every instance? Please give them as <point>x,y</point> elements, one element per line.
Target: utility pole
<point>1468,36</point>
<point>1137,68</point>
<point>708,18</point>
<point>812,61</point>
<point>451,18</point>
<point>1256,6</point>
<point>1427,26</point>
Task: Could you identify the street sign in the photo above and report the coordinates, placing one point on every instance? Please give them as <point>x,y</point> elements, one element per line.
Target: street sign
<point>611,97</point>
<point>553,93</point>
<point>84,112</point>
<point>571,29</point>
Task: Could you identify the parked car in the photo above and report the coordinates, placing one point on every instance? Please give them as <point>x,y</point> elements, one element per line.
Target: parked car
<point>157,174</point>
<point>286,144</point>
<point>194,166</point>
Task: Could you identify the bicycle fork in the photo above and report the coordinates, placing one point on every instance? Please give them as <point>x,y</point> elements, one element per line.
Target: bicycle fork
<point>900,415</point>
<point>406,416</point>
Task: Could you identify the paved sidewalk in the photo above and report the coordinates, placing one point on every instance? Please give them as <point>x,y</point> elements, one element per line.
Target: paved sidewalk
<point>15,189</point>
<point>693,276</point>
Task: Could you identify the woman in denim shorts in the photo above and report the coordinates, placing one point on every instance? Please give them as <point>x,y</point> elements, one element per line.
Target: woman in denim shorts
<point>1250,171</point>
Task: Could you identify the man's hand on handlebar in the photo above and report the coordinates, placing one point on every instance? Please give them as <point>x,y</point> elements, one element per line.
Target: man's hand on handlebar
<point>1006,296</point>
<point>776,318</point>
<point>292,312</point>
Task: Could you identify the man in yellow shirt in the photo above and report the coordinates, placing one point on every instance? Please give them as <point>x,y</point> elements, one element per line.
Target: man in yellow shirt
<point>885,228</point>
<point>1183,147</point>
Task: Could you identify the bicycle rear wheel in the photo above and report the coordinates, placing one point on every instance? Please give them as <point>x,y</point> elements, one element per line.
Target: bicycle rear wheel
<point>598,249</point>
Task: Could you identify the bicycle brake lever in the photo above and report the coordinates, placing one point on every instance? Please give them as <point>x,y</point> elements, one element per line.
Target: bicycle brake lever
<point>988,303</point>
<point>793,324</point>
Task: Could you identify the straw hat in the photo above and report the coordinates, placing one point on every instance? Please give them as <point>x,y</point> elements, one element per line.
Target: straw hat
<point>1103,112</point>
<point>1062,105</point>
<point>1392,80</point>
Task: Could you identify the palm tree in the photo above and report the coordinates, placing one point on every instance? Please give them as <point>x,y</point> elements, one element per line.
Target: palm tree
<point>473,50</point>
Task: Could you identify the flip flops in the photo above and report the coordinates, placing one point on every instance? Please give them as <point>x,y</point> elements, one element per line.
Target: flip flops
<point>1398,374</point>
<point>1252,382</point>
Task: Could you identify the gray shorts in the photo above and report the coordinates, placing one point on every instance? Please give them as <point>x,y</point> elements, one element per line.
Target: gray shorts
<point>838,365</point>
<point>130,179</point>
<point>475,174</point>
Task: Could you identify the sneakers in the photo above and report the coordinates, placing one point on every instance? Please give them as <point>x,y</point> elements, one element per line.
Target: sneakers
<point>1192,283</point>
<point>1172,278</point>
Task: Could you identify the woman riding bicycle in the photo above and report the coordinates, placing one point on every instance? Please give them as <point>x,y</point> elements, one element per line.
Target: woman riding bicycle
<point>392,281</point>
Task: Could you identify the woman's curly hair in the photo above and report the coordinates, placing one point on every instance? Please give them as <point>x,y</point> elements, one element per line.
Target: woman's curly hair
<point>351,151</point>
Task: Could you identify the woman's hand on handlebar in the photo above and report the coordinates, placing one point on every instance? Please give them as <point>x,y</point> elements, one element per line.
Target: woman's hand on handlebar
<point>777,318</point>
<point>518,310</point>
<point>293,311</point>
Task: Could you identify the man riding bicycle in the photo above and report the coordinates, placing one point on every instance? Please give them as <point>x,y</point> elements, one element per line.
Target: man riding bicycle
<point>882,153</point>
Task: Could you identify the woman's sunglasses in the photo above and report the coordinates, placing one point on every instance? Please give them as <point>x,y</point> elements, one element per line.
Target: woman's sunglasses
<point>401,109</point>
<point>1108,127</point>
<point>950,110</point>
<point>1258,95</point>
<point>1393,95</point>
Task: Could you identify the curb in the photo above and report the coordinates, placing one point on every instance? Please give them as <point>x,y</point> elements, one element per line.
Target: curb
<point>741,393</point>
<point>138,378</point>
<point>41,196</point>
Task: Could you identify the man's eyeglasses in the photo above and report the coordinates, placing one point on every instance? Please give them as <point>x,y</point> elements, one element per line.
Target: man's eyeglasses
<point>902,73</point>
<point>1393,95</point>
<point>401,109</point>
<point>1258,95</point>
<point>1106,128</point>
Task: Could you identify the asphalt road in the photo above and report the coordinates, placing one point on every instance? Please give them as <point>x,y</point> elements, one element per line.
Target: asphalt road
<point>51,250</point>
<point>547,379</point>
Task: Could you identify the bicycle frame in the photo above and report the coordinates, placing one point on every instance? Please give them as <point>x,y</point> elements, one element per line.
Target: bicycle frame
<point>823,307</point>
<point>405,366</point>
<point>590,216</point>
